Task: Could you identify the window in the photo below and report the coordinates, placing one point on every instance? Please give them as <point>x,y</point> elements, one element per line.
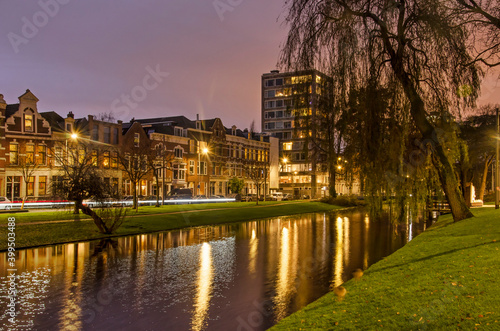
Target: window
<point>14,153</point>
<point>31,186</point>
<point>287,135</point>
<point>81,156</point>
<point>95,133</point>
<point>115,136</point>
<point>269,126</point>
<point>288,125</point>
<point>191,167</point>
<point>279,114</point>
<point>279,103</point>
<point>30,154</point>
<point>179,172</point>
<point>42,185</point>
<point>68,127</point>
<point>114,160</point>
<point>279,125</point>
<point>107,135</point>
<point>114,186</point>
<point>279,81</point>
<point>178,132</point>
<point>270,94</point>
<point>178,152</point>
<point>137,140</point>
<point>58,156</point>
<point>269,82</point>
<point>202,168</point>
<point>270,104</point>
<point>106,160</point>
<point>28,122</point>
<point>287,146</point>
<point>94,158</point>
<point>42,154</point>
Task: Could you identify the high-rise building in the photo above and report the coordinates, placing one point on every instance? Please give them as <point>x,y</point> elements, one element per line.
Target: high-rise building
<point>292,107</point>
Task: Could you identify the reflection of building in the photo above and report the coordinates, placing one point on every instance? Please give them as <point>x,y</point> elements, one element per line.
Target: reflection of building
<point>293,109</point>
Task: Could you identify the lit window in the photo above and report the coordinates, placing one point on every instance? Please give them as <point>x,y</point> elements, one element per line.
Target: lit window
<point>28,123</point>
<point>106,160</point>
<point>191,167</point>
<point>42,185</point>
<point>42,154</point>
<point>137,138</point>
<point>30,154</point>
<point>14,153</point>
<point>94,158</point>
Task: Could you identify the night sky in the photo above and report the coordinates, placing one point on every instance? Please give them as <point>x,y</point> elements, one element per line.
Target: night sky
<point>146,58</point>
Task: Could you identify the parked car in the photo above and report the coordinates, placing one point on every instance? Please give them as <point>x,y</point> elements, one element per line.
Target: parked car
<point>216,197</point>
<point>235,196</point>
<point>180,194</point>
<point>5,203</point>
<point>287,196</point>
<point>200,197</point>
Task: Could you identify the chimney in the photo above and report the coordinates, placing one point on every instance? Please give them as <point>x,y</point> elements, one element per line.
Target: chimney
<point>71,115</point>
<point>197,117</point>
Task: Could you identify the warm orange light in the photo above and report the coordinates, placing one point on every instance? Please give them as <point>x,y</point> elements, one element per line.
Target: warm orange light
<point>285,160</point>
<point>205,150</point>
<point>74,136</point>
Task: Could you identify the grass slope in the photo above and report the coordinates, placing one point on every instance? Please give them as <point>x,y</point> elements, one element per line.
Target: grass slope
<point>447,278</point>
<point>149,219</point>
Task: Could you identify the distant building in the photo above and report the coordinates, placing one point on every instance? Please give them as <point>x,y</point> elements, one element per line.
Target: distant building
<point>204,155</point>
<point>292,107</point>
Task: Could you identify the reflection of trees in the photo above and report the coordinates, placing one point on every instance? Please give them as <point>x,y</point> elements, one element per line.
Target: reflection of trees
<point>109,245</point>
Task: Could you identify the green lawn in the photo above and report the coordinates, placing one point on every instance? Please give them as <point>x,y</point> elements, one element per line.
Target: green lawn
<point>149,219</point>
<point>447,278</point>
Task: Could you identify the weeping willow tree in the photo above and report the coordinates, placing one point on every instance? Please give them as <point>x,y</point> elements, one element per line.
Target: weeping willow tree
<point>413,49</point>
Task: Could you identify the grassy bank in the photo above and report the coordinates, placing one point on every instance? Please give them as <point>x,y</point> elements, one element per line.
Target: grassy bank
<point>63,226</point>
<point>447,278</point>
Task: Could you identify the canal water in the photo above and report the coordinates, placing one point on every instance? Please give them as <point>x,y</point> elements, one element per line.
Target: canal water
<point>244,276</point>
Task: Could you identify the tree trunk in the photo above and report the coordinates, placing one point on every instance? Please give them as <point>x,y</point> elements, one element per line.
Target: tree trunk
<point>441,162</point>
<point>135,205</point>
<point>482,187</point>
<point>331,180</point>
<point>97,220</point>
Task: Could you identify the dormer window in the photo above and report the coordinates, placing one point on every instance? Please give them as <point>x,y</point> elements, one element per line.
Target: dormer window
<point>28,123</point>
<point>178,132</point>
<point>178,152</point>
<point>69,127</point>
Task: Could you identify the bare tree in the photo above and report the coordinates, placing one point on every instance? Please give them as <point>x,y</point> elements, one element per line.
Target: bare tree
<point>81,179</point>
<point>414,44</point>
<point>27,166</point>
<point>258,174</point>
<point>135,161</point>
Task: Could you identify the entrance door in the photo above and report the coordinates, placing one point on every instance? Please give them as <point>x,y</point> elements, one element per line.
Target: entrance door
<point>13,187</point>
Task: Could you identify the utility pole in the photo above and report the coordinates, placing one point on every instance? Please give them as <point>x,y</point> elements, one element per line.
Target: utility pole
<point>497,186</point>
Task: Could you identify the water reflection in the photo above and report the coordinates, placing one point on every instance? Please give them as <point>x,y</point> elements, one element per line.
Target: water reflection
<point>203,288</point>
<point>247,275</point>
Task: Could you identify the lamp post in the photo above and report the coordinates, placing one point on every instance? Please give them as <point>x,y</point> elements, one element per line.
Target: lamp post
<point>497,186</point>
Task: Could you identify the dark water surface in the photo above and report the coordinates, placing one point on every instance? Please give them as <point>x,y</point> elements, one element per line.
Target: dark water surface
<point>244,276</point>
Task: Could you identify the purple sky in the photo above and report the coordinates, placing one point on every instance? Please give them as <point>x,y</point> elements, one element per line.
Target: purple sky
<point>92,52</point>
<point>88,54</point>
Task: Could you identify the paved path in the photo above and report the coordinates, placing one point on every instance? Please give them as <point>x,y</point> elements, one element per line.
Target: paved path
<point>159,214</point>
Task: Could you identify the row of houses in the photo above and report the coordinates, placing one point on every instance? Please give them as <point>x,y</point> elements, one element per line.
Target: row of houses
<point>202,155</point>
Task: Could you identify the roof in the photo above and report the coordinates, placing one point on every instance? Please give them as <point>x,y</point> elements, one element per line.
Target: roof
<point>55,120</point>
<point>11,110</point>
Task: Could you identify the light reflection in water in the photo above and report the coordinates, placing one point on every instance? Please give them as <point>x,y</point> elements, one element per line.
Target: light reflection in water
<point>170,281</point>
<point>203,288</point>
<point>282,287</point>
<point>254,244</point>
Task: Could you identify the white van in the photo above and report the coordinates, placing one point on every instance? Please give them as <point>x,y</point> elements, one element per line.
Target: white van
<point>277,196</point>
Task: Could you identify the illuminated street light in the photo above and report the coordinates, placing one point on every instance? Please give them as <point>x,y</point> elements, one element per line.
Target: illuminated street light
<point>74,136</point>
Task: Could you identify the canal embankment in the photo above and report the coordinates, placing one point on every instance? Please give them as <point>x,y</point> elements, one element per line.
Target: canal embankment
<point>58,227</point>
<point>447,278</point>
